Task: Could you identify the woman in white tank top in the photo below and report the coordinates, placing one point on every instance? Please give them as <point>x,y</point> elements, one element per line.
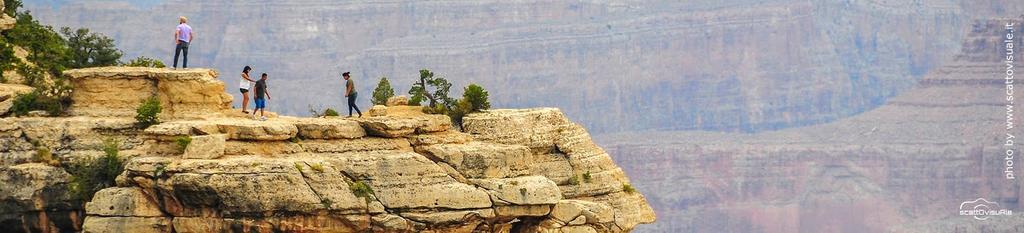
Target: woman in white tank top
<point>243,85</point>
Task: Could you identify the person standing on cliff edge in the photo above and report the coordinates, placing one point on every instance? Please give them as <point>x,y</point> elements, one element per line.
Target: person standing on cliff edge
<point>182,38</point>
<point>350,93</point>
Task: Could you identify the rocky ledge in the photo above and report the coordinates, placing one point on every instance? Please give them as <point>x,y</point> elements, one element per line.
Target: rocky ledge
<point>514,170</point>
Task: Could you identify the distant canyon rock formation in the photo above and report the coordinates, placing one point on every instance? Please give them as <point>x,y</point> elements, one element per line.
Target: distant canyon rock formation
<point>614,65</point>
<point>903,167</point>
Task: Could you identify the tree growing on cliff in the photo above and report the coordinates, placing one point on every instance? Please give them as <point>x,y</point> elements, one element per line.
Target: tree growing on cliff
<point>382,92</point>
<point>474,99</point>
<point>90,49</point>
<point>421,91</point>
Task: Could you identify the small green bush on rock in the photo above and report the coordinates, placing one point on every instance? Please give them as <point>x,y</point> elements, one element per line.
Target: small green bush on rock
<point>360,189</point>
<point>182,142</point>
<point>330,112</point>
<point>35,100</point>
<point>90,175</point>
<point>146,113</point>
<point>145,62</point>
<point>628,188</point>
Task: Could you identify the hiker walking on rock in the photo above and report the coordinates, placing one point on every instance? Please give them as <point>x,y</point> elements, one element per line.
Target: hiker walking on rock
<point>350,93</point>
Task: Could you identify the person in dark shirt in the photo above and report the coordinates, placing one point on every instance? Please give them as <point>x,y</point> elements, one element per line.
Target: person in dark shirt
<point>350,93</point>
<point>261,102</point>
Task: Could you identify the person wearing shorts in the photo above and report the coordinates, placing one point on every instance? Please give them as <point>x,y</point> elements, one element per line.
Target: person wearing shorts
<point>243,86</point>
<point>260,92</point>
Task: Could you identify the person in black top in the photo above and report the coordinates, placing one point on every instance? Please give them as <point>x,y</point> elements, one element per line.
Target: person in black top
<point>261,90</point>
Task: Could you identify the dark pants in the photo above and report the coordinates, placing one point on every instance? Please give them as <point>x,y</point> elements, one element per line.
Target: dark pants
<point>352,104</point>
<point>182,49</point>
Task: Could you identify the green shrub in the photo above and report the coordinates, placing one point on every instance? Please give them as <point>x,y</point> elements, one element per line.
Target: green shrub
<point>298,166</point>
<point>382,92</point>
<point>145,62</point>
<point>326,203</point>
<point>586,177</point>
<point>182,142</point>
<point>360,189</point>
<point>574,180</point>
<point>90,175</point>
<point>146,114</point>
<point>477,97</point>
<point>35,100</point>
<point>44,155</point>
<point>330,112</point>
<point>317,167</point>
<point>628,188</point>
<point>458,112</point>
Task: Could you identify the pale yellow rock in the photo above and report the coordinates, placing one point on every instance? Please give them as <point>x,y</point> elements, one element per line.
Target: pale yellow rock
<point>272,130</point>
<point>262,148</point>
<point>205,147</point>
<point>446,137</point>
<point>327,128</point>
<point>378,110</point>
<point>122,202</point>
<point>356,145</point>
<point>126,224</point>
<point>578,229</point>
<point>400,100</point>
<point>408,180</point>
<point>522,210</point>
<point>536,128</point>
<point>400,126</point>
<point>448,217</point>
<point>481,160</point>
<point>118,91</point>
<point>524,190</point>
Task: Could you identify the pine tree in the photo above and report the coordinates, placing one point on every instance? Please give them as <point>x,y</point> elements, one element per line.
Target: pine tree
<point>382,92</point>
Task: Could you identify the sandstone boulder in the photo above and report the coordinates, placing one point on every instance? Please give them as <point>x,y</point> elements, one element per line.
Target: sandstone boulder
<point>205,147</point>
<point>525,190</point>
<point>273,130</point>
<point>118,91</point>
<point>536,128</point>
<point>397,101</point>
<point>122,202</point>
<point>400,126</point>
<point>127,224</point>
<point>378,110</point>
<point>406,180</point>
<point>327,128</point>
<point>481,160</point>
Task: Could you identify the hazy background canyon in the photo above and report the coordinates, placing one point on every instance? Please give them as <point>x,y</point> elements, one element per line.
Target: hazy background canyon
<point>703,103</point>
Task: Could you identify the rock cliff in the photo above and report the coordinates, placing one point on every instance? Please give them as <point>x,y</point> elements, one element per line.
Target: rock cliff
<point>904,167</point>
<point>522,170</point>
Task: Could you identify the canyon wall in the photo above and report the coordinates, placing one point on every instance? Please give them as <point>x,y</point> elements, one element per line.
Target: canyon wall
<point>208,168</point>
<point>904,167</point>
<point>613,65</point>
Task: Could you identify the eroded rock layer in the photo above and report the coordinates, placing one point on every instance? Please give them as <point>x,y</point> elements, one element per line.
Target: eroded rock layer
<point>904,167</point>
<point>529,170</point>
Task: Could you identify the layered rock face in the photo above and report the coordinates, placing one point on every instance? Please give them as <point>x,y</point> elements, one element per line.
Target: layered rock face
<point>737,65</point>
<point>529,170</point>
<point>118,91</point>
<point>904,167</point>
